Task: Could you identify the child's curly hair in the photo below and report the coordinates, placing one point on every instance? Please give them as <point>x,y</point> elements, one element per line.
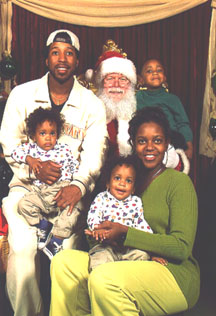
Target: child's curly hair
<point>110,164</point>
<point>41,115</point>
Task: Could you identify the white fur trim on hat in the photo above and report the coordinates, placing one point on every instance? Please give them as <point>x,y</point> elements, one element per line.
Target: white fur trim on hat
<point>73,37</point>
<point>118,65</point>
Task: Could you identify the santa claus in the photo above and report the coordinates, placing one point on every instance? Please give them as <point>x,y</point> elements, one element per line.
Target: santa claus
<point>115,81</point>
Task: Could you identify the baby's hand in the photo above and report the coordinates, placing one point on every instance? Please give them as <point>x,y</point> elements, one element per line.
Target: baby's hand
<point>88,232</point>
<point>34,164</point>
<point>36,167</point>
<point>162,261</point>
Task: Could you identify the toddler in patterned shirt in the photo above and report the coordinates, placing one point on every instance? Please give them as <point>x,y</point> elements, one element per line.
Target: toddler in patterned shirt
<point>44,126</point>
<point>117,204</point>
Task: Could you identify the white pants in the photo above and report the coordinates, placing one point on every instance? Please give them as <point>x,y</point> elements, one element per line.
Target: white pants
<point>23,261</point>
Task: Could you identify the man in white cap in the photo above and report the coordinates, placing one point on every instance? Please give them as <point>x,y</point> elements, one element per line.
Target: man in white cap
<point>85,131</point>
<point>115,80</point>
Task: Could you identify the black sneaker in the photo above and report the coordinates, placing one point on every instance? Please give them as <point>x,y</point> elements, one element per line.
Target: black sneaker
<point>53,247</point>
<point>44,229</point>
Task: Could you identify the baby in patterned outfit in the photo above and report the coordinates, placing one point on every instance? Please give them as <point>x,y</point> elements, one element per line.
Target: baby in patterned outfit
<point>38,206</point>
<point>117,204</point>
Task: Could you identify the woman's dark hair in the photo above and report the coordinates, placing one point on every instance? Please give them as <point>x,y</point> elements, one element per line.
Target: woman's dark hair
<point>146,115</point>
<point>111,163</point>
<point>41,115</point>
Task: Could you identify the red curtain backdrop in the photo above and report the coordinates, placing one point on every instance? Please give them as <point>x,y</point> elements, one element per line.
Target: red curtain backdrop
<point>181,42</point>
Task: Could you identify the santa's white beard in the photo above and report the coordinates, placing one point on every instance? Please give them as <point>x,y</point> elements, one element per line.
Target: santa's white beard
<point>119,110</point>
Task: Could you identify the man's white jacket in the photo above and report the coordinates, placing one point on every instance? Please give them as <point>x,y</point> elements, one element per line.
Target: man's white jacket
<point>85,129</point>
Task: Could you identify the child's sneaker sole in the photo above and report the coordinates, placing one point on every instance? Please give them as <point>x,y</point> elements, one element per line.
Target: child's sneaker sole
<point>42,244</point>
<point>48,253</point>
<point>52,248</point>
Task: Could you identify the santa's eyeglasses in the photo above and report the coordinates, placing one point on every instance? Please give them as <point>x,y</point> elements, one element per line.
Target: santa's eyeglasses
<point>122,81</point>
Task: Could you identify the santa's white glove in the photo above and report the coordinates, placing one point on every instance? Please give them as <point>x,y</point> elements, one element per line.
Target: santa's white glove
<point>171,158</point>
<point>122,138</point>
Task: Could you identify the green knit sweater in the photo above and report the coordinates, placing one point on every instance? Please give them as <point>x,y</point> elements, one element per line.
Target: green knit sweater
<point>170,208</point>
<point>172,107</point>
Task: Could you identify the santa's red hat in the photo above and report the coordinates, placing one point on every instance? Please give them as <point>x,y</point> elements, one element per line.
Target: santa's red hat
<point>112,60</point>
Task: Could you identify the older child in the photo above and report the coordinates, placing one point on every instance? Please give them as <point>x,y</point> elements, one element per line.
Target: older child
<point>117,204</point>
<point>154,93</point>
<point>44,127</point>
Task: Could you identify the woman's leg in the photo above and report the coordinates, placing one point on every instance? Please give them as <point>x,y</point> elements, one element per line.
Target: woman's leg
<point>132,288</point>
<point>69,287</point>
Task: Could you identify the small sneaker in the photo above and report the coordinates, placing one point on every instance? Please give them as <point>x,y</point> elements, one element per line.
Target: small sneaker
<point>44,229</point>
<point>53,247</point>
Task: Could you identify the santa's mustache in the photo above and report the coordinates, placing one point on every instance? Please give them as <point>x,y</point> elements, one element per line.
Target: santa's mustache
<point>115,90</point>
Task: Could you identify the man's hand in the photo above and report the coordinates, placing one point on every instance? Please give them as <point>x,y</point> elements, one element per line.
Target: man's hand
<point>49,172</point>
<point>68,195</point>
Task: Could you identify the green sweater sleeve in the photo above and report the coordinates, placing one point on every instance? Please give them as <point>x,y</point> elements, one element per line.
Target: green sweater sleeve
<point>170,206</point>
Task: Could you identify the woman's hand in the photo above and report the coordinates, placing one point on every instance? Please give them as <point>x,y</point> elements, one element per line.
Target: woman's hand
<point>112,232</point>
<point>160,260</point>
<point>99,235</point>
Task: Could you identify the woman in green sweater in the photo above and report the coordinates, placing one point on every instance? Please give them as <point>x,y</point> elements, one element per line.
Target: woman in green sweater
<point>132,288</point>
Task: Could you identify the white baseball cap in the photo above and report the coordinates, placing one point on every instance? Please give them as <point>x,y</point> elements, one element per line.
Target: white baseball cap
<point>72,38</point>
